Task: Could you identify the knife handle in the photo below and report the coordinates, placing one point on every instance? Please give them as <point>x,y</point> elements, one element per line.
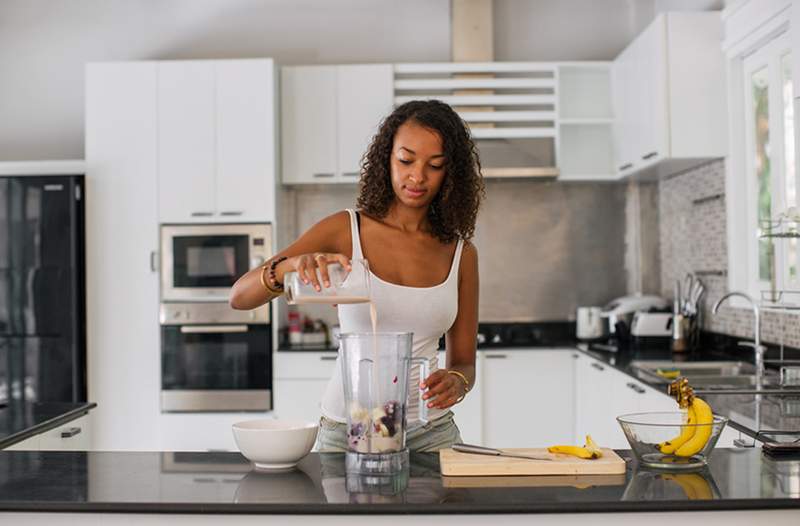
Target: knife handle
<point>479,450</point>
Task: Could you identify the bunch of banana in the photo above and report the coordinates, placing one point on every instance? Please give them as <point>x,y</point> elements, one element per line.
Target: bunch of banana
<point>695,486</point>
<point>692,438</point>
<point>590,450</point>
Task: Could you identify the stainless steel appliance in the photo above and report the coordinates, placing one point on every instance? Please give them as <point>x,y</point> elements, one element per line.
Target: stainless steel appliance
<point>42,289</point>
<point>214,358</point>
<point>590,325</point>
<point>201,262</point>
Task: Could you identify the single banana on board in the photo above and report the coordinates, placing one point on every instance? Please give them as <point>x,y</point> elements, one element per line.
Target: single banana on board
<point>589,451</point>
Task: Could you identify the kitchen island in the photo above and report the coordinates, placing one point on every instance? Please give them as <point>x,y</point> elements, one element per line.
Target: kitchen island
<point>740,486</point>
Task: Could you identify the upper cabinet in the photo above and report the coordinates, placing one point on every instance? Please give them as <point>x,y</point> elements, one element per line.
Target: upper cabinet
<point>329,114</point>
<point>668,93</point>
<point>216,140</point>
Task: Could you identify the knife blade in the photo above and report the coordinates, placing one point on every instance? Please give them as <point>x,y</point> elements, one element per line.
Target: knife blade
<point>480,450</point>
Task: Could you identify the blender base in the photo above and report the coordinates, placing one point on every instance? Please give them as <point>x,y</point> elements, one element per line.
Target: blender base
<point>376,463</point>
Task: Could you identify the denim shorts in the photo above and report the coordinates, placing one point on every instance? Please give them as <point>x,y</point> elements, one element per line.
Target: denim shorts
<point>433,436</point>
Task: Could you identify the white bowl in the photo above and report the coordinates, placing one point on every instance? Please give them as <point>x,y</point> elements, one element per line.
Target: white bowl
<point>275,444</point>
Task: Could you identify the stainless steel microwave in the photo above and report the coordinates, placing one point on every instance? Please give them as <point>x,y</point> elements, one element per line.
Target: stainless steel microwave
<point>202,262</point>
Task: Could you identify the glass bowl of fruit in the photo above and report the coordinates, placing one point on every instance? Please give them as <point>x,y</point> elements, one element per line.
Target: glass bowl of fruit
<point>680,439</point>
<point>670,440</point>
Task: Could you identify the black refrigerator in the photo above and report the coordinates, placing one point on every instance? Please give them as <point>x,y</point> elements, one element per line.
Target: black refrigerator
<point>42,289</point>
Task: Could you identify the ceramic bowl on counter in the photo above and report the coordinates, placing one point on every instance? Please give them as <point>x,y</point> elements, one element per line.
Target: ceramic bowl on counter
<point>275,444</point>
<point>647,431</point>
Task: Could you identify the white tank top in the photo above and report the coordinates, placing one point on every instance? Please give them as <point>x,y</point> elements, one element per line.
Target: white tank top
<point>428,312</point>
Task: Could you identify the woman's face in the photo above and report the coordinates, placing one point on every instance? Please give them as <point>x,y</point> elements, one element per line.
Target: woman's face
<point>417,164</point>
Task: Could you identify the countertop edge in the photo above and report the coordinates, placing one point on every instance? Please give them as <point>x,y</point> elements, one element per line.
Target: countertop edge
<point>401,509</point>
<point>47,425</point>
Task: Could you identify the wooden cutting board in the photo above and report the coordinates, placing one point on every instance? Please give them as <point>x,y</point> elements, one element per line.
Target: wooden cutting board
<point>533,481</point>
<point>457,464</point>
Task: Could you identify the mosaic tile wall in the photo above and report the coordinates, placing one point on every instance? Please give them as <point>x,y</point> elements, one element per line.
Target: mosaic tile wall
<point>693,239</point>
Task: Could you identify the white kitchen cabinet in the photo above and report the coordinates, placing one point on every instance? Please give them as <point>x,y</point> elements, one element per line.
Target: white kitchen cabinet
<point>528,397</point>
<point>469,412</point>
<point>364,98</point>
<point>308,124</point>
<point>246,140</point>
<point>121,241</point>
<point>328,116</point>
<point>300,382</point>
<point>74,436</point>
<point>216,140</point>
<point>595,410</point>
<point>186,140</point>
<point>668,90</point>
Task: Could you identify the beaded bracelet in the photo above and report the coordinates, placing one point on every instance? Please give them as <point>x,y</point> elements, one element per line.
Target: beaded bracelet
<point>271,284</point>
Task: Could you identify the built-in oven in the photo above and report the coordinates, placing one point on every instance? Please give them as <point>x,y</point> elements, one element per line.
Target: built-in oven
<point>202,262</point>
<point>214,358</point>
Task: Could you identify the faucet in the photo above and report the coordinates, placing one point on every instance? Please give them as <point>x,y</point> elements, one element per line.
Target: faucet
<point>759,350</point>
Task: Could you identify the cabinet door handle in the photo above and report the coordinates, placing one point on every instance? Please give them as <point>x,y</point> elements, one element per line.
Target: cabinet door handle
<point>231,213</point>
<point>576,356</point>
<point>625,167</point>
<point>598,366</point>
<point>320,175</point>
<point>153,261</point>
<point>351,174</point>
<point>212,329</point>
<point>70,432</point>
<point>496,356</point>
<point>327,358</point>
<point>639,389</point>
<point>649,155</point>
<point>202,214</point>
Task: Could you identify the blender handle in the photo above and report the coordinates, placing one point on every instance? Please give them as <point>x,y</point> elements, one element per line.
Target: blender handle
<point>424,372</point>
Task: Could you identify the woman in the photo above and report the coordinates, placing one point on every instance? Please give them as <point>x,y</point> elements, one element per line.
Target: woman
<point>419,196</point>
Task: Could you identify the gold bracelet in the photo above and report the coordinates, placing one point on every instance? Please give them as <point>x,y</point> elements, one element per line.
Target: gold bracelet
<point>463,379</point>
<point>264,282</point>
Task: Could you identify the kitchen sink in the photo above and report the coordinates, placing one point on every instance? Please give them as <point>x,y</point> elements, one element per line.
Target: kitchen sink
<point>716,377</point>
<point>649,369</point>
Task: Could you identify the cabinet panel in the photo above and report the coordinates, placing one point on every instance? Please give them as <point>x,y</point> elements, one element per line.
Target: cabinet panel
<point>186,140</point>
<point>245,140</point>
<point>595,408</point>
<point>528,398</point>
<point>74,436</point>
<point>121,238</point>
<point>299,399</point>
<point>651,83</point>
<point>364,96</point>
<point>308,124</point>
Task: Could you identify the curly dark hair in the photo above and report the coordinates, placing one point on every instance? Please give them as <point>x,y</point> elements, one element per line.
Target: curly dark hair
<point>454,209</point>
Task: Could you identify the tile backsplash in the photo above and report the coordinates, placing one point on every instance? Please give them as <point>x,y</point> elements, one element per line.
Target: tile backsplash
<point>693,238</point>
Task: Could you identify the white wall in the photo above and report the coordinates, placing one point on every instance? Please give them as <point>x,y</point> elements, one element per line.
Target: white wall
<point>576,29</point>
<point>44,45</point>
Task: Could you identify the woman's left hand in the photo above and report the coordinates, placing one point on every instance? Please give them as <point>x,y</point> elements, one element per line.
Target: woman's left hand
<point>443,390</point>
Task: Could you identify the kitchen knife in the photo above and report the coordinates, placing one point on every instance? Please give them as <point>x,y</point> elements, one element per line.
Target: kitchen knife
<point>480,450</point>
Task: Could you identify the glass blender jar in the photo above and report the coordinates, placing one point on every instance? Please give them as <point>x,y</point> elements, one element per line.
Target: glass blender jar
<point>375,373</point>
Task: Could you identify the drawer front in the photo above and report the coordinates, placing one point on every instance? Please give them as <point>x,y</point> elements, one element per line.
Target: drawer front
<point>74,435</point>
<point>304,365</point>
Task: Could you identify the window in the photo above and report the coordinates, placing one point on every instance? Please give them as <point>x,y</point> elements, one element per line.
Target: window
<point>769,166</point>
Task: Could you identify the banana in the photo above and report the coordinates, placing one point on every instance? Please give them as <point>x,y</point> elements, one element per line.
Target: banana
<point>704,417</point>
<point>592,447</point>
<point>589,451</point>
<point>687,432</point>
<point>576,451</point>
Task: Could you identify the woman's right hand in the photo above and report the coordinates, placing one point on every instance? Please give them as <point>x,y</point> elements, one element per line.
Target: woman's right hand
<point>306,264</point>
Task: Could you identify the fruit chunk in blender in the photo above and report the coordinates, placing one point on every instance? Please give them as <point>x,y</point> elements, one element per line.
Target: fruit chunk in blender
<point>385,434</point>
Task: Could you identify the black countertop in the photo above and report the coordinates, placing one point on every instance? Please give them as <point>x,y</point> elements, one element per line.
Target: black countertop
<point>21,420</point>
<point>224,483</point>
